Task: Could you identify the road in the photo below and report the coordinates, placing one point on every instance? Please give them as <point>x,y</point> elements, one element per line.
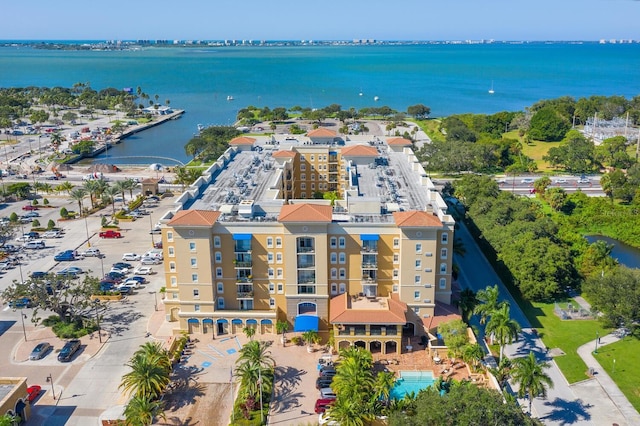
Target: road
<point>562,405</point>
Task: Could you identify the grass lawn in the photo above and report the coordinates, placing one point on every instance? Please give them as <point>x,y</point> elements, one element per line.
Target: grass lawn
<point>620,361</point>
<point>536,150</point>
<point>566,335</point>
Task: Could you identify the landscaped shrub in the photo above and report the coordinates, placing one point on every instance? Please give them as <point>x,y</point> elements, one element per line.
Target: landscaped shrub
<point>64,213</point>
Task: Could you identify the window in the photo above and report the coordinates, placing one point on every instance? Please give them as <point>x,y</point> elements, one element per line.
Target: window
<point>216,242</point>
<point>278,257</point>
<point>270,272</point>
<point>417,279</point>
<point>272,303</point>
<point>443,253</point>
<point>396,242</point>
<point>443,268</point>
<point>172,252</point>
<point>443,283</point>
<point>172,266</point>
<point>416,310</point>
<point>270,257</point>
<point>272,288</point>
<point>278,242</point>
<point>334,273</point>
<point>395,273</point>
<point>396,258</point>
<point>313,177</point>
<point>280,288</point>
<point>194,278</point>
<point>343,288</point>
<point>174,295</point>
<point>333,242</point>
<point>303,167</point>
<point>444,238</point>
<point>341,242</point>
<point>418,264</point>
<point>303,186</point>
<point>342,258</point>
<point>418,248</point>
<point>220,302</point>
<point>334,257</point>
<point>174,282</point>
<point>313,186</point>
<point>218,257</point>
<point>218,272</point>
<point>303,176</point>
<point>192,246</point>
<point>196,294</point>
<point>311,157</point>
<point>416,295</point>
<point>394,288</point>
<point>279,272</point>
<point>169,236</point>
<point>194,262</point>
<point>269,242</point>
<point>196,308</point>
<point>303,195</point>
<point>343,273</point>
<point>334,289</point>
<point>220,288</point>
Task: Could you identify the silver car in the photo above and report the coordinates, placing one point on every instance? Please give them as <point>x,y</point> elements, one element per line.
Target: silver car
<point>40,351</point>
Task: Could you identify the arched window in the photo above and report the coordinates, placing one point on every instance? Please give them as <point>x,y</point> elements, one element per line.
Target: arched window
<point>307,308</point>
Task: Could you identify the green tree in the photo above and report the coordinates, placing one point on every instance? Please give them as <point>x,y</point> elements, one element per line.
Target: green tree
<point>467,303</point>
<point>9,420</point>
<point>147,378</point>
<point>529,374</point>
<point>615,294</point>
<point>502,327</point>
<point>548,125</point>
<point>141,411</point>
<point>281,328</point>
<point>419,111</point>
<point>249,332</point>
<point>78,195</point>
<point>455,336</point>
<point>472,354</point>
<point>488,302</point>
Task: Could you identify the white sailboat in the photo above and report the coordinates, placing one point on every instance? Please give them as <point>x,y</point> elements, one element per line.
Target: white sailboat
<point>491,91</point>
<point>375,98</point>
<point>229,98</point>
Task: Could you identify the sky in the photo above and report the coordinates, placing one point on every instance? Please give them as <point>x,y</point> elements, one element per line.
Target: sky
<point>321,20</point>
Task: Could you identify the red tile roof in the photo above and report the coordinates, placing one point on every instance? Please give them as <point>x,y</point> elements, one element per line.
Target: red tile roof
<point>399,141</point>
<point>442,313</point>
<point>284,154</point>
<point>305,213</point>
<point>359,151</point>
<point>342,311</point>
<point>194,218</point>
<point>242,140</point>
<point>416,219</point>
<point>321,132</point>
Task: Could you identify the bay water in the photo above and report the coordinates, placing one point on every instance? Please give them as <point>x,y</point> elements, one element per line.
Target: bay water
<point>450,78</point>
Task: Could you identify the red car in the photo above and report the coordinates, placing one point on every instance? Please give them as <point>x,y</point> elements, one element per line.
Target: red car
<point>29,207</point>
<point>33,392</point>
<point>110,234</point>
<point>323,404</point>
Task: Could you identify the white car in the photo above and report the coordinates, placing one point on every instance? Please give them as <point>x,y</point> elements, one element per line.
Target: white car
<point>91,252</point>
<point>143,270</point>
<point>131,256</point>
<point>132,283</point>
<point>584,180</point>
<point>560,181</point>
<point>52,234</point>
<point>527,180</point>
<point>149,260</point>
<point>123,271</point>
<point>34,245</point>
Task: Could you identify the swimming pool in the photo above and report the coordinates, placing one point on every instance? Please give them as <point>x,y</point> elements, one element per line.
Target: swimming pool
<point>411,381</point>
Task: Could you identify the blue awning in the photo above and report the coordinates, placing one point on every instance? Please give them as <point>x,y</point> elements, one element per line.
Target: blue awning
<point>241,237</point>
<point>266,321</point>
<point>306,323</point>
<point>207,321</point>
<point>252,321</point>
<point>236,321</point>
<point>193,321</point>
<point>369,237</point>
<point>222,321</point>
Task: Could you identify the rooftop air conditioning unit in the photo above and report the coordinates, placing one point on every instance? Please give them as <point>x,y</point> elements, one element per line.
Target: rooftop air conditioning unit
<point>426,301</point>
<point>427,286</point>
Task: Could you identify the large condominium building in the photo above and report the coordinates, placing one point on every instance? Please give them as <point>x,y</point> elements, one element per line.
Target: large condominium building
<point>316,231</point>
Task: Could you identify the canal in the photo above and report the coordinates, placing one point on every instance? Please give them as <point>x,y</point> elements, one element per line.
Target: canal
<point>626,255</point>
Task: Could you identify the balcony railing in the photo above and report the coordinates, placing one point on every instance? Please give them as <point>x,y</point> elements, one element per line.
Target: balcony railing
<point>306,289</point>
<point>243,264</point>
<point>244,295</point>
<point>369,249</point>
<point>305,250</point>
<point>369,265</point>
<point>244,279</point>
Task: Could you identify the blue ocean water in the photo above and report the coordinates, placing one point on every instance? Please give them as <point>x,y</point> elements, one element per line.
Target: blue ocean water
<point>448,78</point>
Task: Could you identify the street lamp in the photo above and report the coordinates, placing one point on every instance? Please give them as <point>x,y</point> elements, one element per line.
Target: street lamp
<point>96,304</point>
<point>153,243</point>
<point>86,225</point>
<point>101,263</point>
<point>155,298</point>
<point>597,338</point>
<point>53,389</point>
<point>24,330</point>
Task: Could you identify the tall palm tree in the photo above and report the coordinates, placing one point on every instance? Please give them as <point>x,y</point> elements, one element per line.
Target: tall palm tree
<point>155,352</point>
<point>467,303</point>
<point>249,332</point>
<point>256,351</point>
<point>109,195</point>
<point>65,186</point>
<point>78,195</point>
<point>473,354</point>
<point>130,185</point>
<point>503,327</point>
<point>382,385</point>
<point>489,303</point>
<point>352,381</point>
<point>91,186</point>
<point>147,377</point>
<point>56,140</point>
<point>529,373</point>
<point>121,187</point>
<point>346,412</point>
<point>140,411</point>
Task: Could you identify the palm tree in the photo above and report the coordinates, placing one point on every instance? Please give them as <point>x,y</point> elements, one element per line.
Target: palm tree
<point>382,386</point>
<point>121,186</point>
<point>352,381</point>
<point>140,411</point>
<point>281,328</point>
<point>130,185</point>
<point>348,413</point>
<point>78,195</point>
<point>256,351</point>
<point>91,186</point>
<point>311,338</point>
<point>65,186</point>
<point>249,332</point>
<point>529,373</point>
<point>56,140</point>
<point>147,378</point>
<point>503,327</point>
<point>109,195</point>
<point>155,352</point>
<point>473,354</point>
<point>488,299</point>
<point>467,303</point>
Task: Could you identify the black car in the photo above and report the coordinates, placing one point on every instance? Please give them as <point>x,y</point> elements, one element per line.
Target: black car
<point>68,350</point>
<point>323,382</point>
<point>114,275</point>
<point>327,372</point>
<point>121,265</point>
<point>38,274</point>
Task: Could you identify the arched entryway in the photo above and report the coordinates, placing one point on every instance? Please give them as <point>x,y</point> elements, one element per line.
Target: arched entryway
<point>344,344</point>
<point>193,325</point>
<point>21,410</point>
<point>360,344</point>
<point>390,347</point>
<point>223,326</point>
<point>408,330</point>
<point>207,326</point>
<point>174,314</point>
<point>236,326</point>
<point>375,347</point>
<point>266,326</point>
<point>253,324</point>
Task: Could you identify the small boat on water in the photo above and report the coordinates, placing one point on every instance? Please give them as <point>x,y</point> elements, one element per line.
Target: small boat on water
<point>375,98</point>
<point>200,127</point>
<point>491,91</point>
<point>229,98</point>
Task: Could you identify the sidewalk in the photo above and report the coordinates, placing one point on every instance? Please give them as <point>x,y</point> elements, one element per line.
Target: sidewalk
<point>612,390</point>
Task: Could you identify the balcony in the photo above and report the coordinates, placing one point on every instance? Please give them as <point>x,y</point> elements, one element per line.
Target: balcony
<point>243,280</point>
<point>369,248</point>
<point>370,290</point>
<point>306,289</point>
<point>305,250</point>
<point>244,295</point>
<point>242,264</point>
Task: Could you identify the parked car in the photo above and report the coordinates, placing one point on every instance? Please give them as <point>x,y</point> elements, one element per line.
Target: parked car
<point>23,302</point>
<point>323,382</point>
<point>52,234</point>
<point>65,256</point>
<point>527,181</point>
<point>40,351</point>
<point>34,245</point>
<point>33,392</point>
<point>123,271</point>
<point>114,275</point>
<point>91,252</point>
<point>122,265</point>
<point>124,289</point>
<point>327,393</point>
<point>560,181</point>
<point>107,286</point>
<point>132,283</point>
<point>141,280</point>
<point>143,270</point>
<point>327,372</point>
<point>68,350</point>
<point>156,231</point>
<point>147,260</point>
<point>29,207</point>
<point>38,274</point>
<point>31,214</point>
<point>70,270</point>
<point>110,234</point>
<point>10,248</point>
<point>131,256</point>
<point>322,404</point>
<point>25,238</point>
